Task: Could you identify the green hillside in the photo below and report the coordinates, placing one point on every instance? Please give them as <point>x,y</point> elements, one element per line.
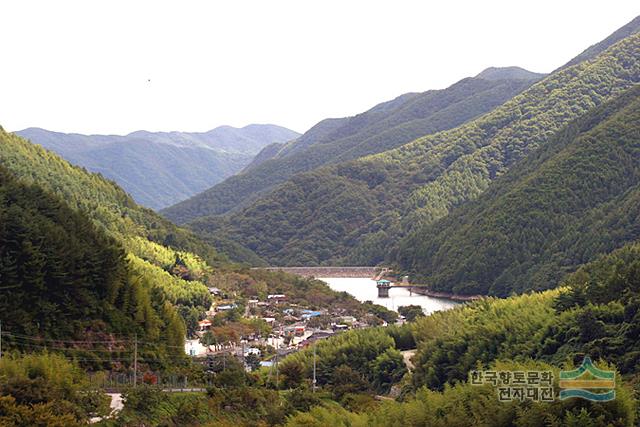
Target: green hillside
<point>178,266</point>
<point>102,200</point>
<point>560,207</point>
<point>386,126</point>
<point>355,212</point>
<point>63,278</point>
<point>595,312</point>
<point>153,245</point>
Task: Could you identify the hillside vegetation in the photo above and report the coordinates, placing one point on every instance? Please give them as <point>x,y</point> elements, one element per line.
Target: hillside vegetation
<point>594,312</point>
<point>102,200</point>
<point>560,207</point>
<point>385,126</point>
<point>153,245</point>
<point>354,212</point>
<point>162,168</point>
<point>178,266</point>
<point>49,249</point>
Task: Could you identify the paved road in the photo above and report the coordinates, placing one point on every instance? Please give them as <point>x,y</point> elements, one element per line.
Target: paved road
<point>116,402</point>
<point>407,355</point>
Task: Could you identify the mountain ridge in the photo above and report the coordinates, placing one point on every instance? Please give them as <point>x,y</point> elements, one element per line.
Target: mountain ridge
<point>352,212</point>
<point>511,73</point>
<point>161,168</point>
<point>559,208</point>
<point>385,126</point>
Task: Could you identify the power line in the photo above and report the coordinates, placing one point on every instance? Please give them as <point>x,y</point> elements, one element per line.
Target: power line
<point>92,350</point>
<point>27,337</point>
<point>114,341</point>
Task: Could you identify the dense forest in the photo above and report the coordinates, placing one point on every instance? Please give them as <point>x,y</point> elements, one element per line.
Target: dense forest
<point>102,200</point>
<point>152,244</point>
<point>63,278</point>
<point>355,212</point>
<point>560,207</point>
<point>384,127</point>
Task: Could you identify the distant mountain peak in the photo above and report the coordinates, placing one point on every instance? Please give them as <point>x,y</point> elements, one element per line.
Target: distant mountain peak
<point>509,73</point>
<point>161,168</point>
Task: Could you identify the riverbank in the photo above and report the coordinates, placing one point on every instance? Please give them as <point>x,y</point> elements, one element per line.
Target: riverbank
<point>445,295</point>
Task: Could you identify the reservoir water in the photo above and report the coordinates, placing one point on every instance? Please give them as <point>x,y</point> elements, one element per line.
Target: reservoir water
<point>365,290</point>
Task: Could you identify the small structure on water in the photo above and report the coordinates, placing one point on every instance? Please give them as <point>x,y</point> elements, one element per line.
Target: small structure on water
<point>383,286</point>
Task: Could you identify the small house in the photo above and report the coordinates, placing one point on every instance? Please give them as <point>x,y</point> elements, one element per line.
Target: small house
<point>307,314</point>
<point>276,298</point>
<point>204,325</point>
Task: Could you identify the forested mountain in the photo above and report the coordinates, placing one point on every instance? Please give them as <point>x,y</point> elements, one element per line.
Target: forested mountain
<point>268,152</point>
<point>103,201</point>
<point>575,198</point>
<point>61,277</point>
<point>354,212</point>
<point>385,126</point>
<point>153,246</point>
<point>176,265</point>
<point>162,168</point>
<point>519,188</point>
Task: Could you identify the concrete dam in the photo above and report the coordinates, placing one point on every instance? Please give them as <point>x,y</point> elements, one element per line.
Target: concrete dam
<point>355,272</point>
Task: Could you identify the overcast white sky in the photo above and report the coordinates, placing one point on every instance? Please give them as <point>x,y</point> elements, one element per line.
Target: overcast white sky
<point>84,66</point>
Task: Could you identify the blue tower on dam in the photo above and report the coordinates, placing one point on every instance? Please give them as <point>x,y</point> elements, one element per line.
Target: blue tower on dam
<point>383,288</point>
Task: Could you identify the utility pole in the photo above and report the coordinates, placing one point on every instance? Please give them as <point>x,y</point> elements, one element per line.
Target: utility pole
<point>135,360</point>
<point>314,366</point>
<point>277,383</point>
<point>0,339</point>
<point>244,360</point>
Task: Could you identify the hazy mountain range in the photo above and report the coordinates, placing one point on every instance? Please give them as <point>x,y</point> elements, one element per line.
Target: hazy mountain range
<point>162,168</point>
